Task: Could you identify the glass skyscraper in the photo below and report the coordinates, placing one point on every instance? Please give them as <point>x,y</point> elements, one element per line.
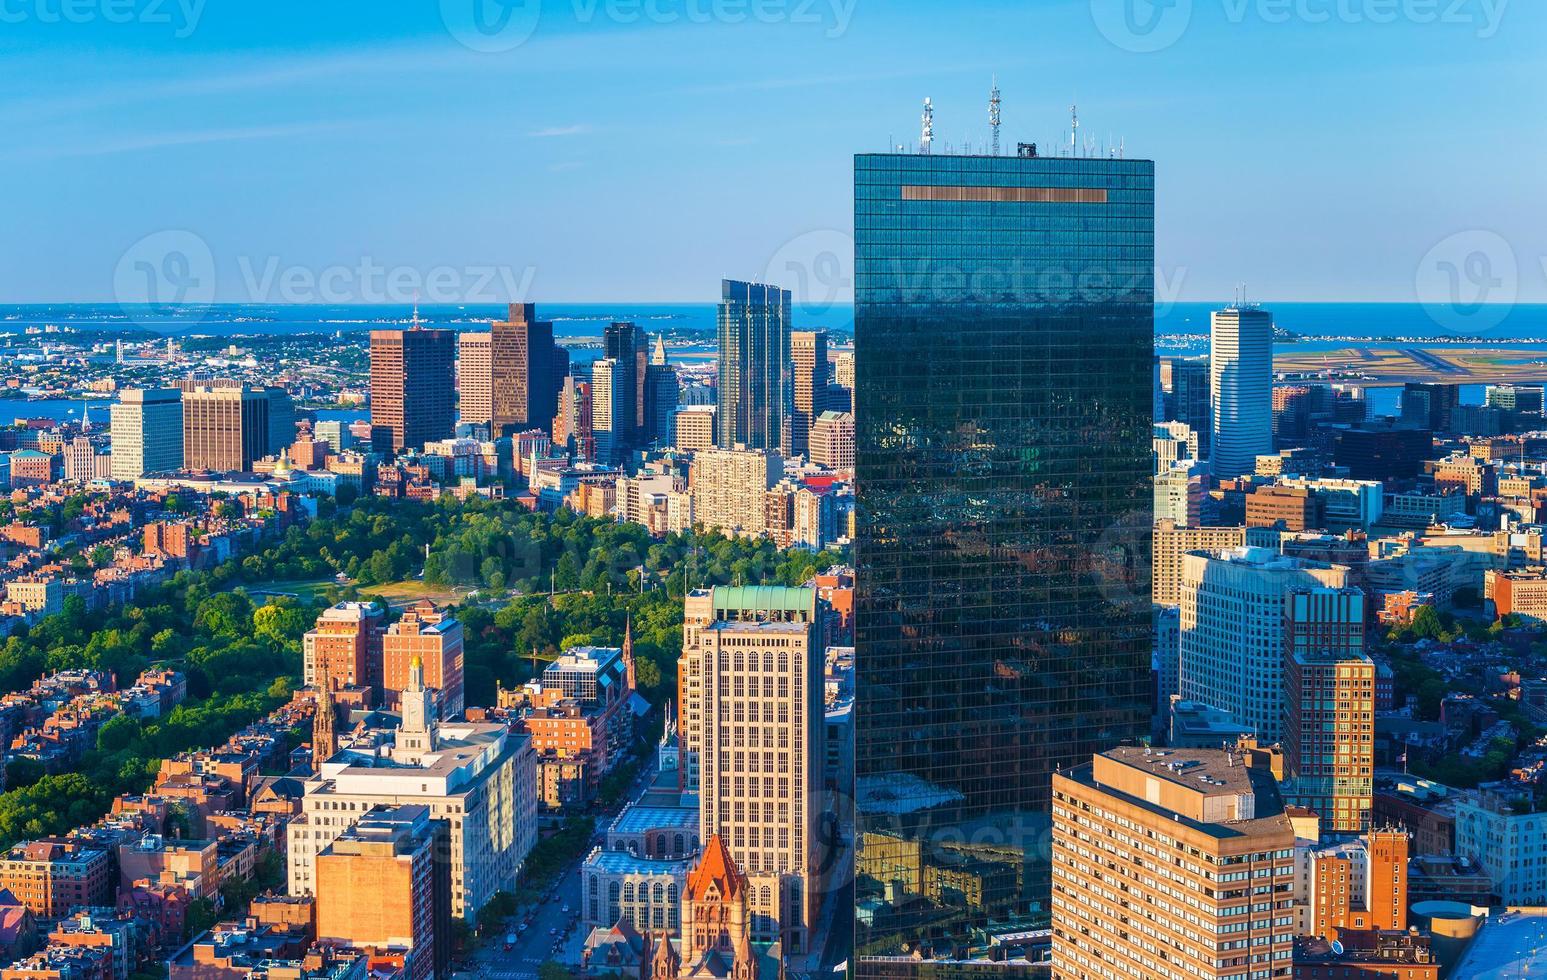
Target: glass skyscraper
<point>1004,339</point>
<point>755,372</point>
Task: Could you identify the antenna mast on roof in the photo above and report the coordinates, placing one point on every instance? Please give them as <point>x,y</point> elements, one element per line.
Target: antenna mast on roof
<point>1074,129</point>
<point>993,113</point>
<point>928,136</point>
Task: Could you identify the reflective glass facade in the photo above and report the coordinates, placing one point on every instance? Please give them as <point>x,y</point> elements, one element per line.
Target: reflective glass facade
<point>1004,339</point>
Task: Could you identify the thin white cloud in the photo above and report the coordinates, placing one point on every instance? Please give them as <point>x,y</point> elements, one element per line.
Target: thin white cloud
<point>157,141</point>
<point>550,132</point>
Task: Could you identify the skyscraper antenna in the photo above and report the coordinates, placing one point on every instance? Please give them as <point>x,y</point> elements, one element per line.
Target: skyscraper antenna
<point>416,311</point>
<point>993,114</point>
<point>927,138</point>
<point>1074,129</point>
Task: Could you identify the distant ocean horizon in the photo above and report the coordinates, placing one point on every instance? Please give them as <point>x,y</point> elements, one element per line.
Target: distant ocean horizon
<point>1317,322</point>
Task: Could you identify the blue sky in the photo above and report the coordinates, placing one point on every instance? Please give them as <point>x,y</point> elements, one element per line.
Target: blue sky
<point>643,149</point>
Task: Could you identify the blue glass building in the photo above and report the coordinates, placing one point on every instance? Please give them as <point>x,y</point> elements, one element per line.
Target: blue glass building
<point>1004,339</point>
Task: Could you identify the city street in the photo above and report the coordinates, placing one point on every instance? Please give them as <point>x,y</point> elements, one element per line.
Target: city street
<point>545,926</point>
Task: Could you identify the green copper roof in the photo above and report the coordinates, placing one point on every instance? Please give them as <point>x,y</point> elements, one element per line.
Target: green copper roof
<point>764,597</point>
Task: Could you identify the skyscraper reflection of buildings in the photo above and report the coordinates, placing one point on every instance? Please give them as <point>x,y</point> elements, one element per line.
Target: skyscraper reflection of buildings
<point>1002,407</point>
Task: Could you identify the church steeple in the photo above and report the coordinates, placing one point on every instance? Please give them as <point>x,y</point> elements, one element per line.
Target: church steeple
<point>324,722</point>
<point>628,651</point>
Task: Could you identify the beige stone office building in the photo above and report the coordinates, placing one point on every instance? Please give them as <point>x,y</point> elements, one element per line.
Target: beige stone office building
<point>761,767</point>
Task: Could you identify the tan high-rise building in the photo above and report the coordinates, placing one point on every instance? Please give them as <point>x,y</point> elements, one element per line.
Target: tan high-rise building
<point>843,369</point>
<point>808,356</point>
<point>694,428</point>
<point>224,428</point>
<point>832,441</point>
<point>435,637</point>
<point>728,487</point>
<point>385,883</point>
<point>1329,708</point>
<point>760,768</point>
<point>412,380</point>
<point>702,608</point>
<point>1172,864</point>
<point>348,638</point>
<point>1172,541</point>
<point>475,378</point>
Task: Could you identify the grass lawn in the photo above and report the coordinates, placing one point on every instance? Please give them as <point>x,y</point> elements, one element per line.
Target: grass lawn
<point>409,591</point>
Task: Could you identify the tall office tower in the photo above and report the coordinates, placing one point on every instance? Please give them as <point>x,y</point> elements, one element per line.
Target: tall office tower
<point>1430,405</point>
<point>412,380</point>
<point>609,410</point>
<point>843,369</point>
<point>1225,854</point>
<point>434,638</point>
<point>754,361</point>
<point>660,399</point>
<point>1240,389</point>
<point>224,429</point>
<point>728,487</point>
<point>147,428</point>
<point>523,358</point>
<point>702,608</point>
<point>386,883</point>
<point>347,641</point>
<point>1191,401</point>
<point>1329,707</point>
<point>282,431</point>
<point>572,427</point>
<point>475,378</point>
<point>1158,396</point>
<point>628,347</point>
<point>1234,630</point>
<point>808,358</point>
<point>760,768</point>
<point>1000,439</point>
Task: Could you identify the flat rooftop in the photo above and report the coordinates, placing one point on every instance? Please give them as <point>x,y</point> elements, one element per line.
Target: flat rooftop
<point>1511,944</point>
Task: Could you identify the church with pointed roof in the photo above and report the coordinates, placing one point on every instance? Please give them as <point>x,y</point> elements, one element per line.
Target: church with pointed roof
<point>716,939</point>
